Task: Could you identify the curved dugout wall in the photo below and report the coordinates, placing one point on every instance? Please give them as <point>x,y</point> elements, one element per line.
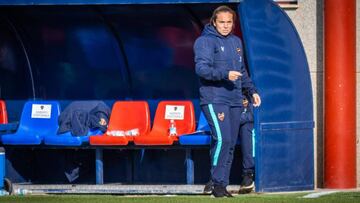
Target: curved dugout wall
<point>284,123</point>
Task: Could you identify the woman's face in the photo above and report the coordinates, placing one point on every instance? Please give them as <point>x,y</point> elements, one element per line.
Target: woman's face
<point>224,23</point>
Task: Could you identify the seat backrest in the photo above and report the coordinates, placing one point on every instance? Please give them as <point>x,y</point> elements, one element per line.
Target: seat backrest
<point>40,117</point>
<point>3,113</point>
<point>127,115</point>
<point>86,105</point>
<point>203,125</point>
<point>183,126</point>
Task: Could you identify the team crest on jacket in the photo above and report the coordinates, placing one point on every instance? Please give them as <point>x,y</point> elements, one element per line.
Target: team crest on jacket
<point>238,49</point>
<point>222,48</point>
<point>221,116</point>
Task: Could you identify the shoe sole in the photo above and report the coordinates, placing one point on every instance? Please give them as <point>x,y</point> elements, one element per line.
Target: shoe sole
<point>212,196</point>
<point>247,189</point>
<point>207,192</point>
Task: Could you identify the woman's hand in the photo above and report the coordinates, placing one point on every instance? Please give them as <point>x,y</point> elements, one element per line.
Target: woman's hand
<point>234,75</point>
<point>257,100</point>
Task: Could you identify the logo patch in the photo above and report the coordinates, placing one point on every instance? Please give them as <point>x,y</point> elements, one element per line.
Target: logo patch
<point>222,48</point>
<point>221,116</point>
<point>102,122</point>
<point>238,49</point>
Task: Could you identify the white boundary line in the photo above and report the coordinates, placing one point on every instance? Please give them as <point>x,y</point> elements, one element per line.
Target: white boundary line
<point>319,194</point>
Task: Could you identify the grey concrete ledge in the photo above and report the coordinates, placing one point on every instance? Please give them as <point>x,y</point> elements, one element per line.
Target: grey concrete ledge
<point>21,189</point>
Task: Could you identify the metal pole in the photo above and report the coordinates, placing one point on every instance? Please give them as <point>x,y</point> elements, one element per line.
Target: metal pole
<point>99,166</point>
<point>340,94</point>
<point>189,167</point>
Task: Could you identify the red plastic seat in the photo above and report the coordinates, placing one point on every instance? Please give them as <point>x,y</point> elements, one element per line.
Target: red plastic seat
<point>3,113</point>
<point>125,115</point>
<point>159,134</point>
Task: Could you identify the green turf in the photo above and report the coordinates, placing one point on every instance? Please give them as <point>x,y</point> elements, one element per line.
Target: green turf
<point>341,197</point>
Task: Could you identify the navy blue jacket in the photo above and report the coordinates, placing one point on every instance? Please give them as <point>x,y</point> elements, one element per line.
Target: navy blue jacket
<point>81,116</point>
<point>215,56</point>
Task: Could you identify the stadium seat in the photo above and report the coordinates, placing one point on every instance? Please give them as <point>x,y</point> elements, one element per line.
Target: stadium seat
<point>159,134</point>
<point>38,120</point>
<point>67,138</point>
<point>201,136</point>
<point>3,113</point>
<point>5,126</point>
<point>125,115</point>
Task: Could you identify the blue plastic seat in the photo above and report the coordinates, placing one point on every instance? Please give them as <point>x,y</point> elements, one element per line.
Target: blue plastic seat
<point>202,136</point>
<point>67,139</point>
<point>38,119</point>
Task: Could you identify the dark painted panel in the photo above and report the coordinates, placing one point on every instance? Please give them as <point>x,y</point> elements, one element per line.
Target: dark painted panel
<point>73,55</point>
<point>286,162</point>
<point>15,81</point>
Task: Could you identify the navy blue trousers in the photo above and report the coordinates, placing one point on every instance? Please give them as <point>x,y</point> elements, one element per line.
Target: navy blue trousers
<point>224,122</point>
<point>246,145</point>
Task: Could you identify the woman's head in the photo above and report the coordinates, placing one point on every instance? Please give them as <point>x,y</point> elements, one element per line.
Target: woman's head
<point>223,19</point>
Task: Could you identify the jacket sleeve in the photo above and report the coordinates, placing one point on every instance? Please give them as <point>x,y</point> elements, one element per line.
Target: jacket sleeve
<point>204,60</point>
<point>246,82</point>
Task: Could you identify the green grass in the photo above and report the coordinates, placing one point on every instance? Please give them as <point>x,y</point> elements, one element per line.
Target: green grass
<point>341,197</point>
